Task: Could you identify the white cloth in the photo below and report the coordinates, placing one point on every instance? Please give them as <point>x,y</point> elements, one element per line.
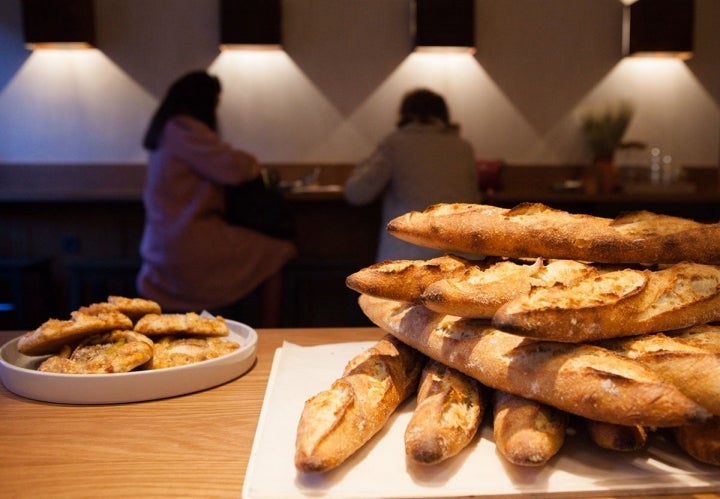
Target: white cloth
<point>412,168</point>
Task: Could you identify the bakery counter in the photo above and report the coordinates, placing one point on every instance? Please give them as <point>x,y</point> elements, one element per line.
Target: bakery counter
<point>695,196</point>
<point>196,445</point>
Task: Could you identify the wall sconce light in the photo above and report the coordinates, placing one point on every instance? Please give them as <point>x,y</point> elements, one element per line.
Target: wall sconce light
<point>250,24</point>
<point>443,25</point>
<point>58,23</point>
<point>659,28</point>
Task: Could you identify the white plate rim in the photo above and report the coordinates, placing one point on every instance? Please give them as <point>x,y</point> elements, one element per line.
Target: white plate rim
<point>134,386</point>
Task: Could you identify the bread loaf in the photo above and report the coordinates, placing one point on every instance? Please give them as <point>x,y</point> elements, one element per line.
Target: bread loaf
<point>405,280</point>
<point>701,440</point>
<point>695,371</point>
<point>581,379</point>
<point>535,230</point>
<point>526,432</point>
<point>705,336</point>
<point>337,422</point>
<point>614,304</point>
<point>447,416</point>
<point>479,292</point>
<point>617,437</point>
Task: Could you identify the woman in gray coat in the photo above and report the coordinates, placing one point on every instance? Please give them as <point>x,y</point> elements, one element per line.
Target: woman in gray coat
<point>423,162</point>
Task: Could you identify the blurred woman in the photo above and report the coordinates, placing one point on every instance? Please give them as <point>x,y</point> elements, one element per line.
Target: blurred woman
<point>423,162</point>
<point>192,258</point>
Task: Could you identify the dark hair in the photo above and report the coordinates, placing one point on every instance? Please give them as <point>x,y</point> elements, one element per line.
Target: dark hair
<point>194,94</point>
<point>423,106</point>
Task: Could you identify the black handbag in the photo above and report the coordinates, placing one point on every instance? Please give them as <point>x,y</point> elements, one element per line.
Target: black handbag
<point>259,205</point>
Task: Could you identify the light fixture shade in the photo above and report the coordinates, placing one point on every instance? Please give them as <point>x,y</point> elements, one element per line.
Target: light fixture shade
<point>255,24</point>
<point>660,28</point>
<point>58,23</point>
<point>445,25</point>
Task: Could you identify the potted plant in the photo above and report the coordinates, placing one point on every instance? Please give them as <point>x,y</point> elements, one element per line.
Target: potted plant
<point>603,130</point>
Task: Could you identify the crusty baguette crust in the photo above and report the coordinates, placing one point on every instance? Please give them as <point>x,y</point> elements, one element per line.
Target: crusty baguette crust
<point>335,423</point>
<point>617,437</point>
<point>581,379</point>
<point>613,304</point>
<point>478,293</point>
<point>701,441</point>
<point>405,280</point>
<point>695,371</point>
<point>447,416</point>
<point>705,336</point>
<point>526,432</point>
<point>535,230</point>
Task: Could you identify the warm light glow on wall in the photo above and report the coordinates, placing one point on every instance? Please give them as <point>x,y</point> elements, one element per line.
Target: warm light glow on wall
<point>66,106</point>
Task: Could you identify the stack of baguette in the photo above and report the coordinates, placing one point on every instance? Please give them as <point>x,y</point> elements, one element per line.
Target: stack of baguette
<point>558,317</point>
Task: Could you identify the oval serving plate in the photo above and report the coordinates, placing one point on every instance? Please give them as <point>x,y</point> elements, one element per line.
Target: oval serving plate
<point>19,375</point>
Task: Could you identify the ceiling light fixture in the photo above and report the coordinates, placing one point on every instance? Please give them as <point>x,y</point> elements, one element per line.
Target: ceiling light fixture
<point>443,25</point>
<point>58,23</point>
<point>250,24</point>
<point>659,28</point>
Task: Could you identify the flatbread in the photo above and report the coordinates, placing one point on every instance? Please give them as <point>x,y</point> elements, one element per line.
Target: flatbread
<point>172,351</point>
<point>114,352</point>
<point>54,333</point>
<point>189,323</point>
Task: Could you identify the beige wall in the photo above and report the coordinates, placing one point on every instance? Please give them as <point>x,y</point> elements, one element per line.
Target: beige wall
<point>333,93</point>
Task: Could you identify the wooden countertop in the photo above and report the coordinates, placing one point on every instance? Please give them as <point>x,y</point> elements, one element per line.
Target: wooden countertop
<point>193,446</point>
<point>196,445</point>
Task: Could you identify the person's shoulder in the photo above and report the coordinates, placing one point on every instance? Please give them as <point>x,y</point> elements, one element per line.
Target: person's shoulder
<point>186,128</point>
<point>183,122</point>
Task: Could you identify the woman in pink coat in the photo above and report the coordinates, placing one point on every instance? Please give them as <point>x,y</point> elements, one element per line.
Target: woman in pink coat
<point>192,258</point>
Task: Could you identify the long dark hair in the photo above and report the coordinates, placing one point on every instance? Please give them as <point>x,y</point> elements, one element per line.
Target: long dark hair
<point>423,106</point>
<point>194,94</point>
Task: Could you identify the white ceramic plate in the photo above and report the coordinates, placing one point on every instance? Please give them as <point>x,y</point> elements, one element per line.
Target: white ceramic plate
<point>19,375</point>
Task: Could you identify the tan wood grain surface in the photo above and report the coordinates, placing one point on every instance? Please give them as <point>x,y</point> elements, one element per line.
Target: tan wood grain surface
<point>196,445</point>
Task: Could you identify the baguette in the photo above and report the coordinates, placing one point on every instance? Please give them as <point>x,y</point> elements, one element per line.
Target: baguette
<point>581,379</point>
<point>617,437</point>
<point>695,371</point>
<point>535,230</point>
<point>527,433</point>
<point>701,441</point>
<point>448,414</point>
<point>405,280</point>
<point>615,304</point>
<point>705,336</point>
<point>337,422</point>
<point>478,293</point>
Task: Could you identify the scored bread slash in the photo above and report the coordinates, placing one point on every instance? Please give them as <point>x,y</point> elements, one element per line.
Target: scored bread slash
<point>405,280</point>
<point>581,379</point>
<point>616,304</point>
<point>694,370</point>
<point>479,293</point>
<point>189,323</point>
<point>54,333</point>
<point>336,422</point>
<point>526,432</point>
<point>447,416</point>
<point>531,230</point>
